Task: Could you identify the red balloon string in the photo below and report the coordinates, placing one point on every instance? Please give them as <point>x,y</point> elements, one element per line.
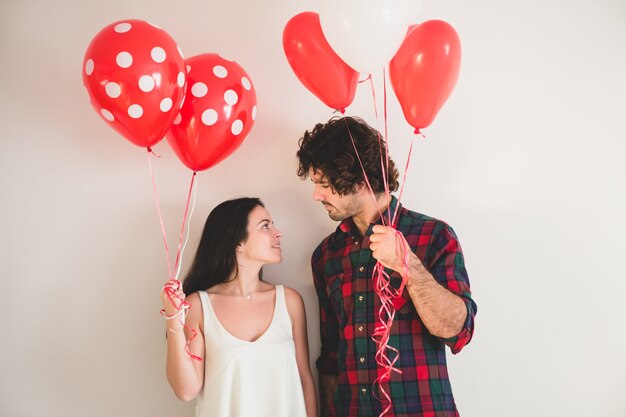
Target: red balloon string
<point>385,170</point>
<point>386,312</point>
<point>183,307</point>
<point>386,355</point>
<point>373,97</point>
<point>369,186</point>
<point>385,104</point>
<point>381,285</point>
<point>369,77</point>
<point>406,169</point>
<point>383,288</point>
<point>174,284</point>
<point>158,207</point>
<point>182,228</point>
<point>384,163</point>
<point>173,274</point>
<point>387,295</point>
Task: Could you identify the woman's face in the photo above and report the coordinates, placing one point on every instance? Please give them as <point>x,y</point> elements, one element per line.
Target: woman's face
<point>263,243</point>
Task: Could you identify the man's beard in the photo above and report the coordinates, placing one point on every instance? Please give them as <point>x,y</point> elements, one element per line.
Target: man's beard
<point>349,209</point>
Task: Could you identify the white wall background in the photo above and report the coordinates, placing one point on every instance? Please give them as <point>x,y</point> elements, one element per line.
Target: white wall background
<point>526,161</point>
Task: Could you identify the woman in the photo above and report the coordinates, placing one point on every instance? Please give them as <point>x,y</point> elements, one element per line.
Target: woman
<point>251,345</point>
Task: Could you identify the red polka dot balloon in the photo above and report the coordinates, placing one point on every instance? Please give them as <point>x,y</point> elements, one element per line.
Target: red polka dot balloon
<point>135,75</point>
<point>217,114</point>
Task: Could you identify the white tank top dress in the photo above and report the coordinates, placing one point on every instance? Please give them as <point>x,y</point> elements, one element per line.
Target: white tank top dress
<point>250,379</point>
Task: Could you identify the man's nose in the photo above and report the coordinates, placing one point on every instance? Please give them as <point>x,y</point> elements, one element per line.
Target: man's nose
<point>317,195</point>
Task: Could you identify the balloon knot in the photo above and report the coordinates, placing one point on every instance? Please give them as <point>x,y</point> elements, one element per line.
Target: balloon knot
<point>417,132</point>
<point>342,111</point>
<point>149,148</point>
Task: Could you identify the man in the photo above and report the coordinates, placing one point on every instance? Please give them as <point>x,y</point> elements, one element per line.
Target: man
<point>434,310</point>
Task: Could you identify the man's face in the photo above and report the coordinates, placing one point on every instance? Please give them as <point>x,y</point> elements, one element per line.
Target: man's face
<point>339,207</point>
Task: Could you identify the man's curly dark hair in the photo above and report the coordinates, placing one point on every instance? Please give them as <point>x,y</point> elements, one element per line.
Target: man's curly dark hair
<point>328,149</point>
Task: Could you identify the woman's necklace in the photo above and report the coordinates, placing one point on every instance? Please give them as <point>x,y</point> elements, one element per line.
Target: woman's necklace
<point>244,296</point>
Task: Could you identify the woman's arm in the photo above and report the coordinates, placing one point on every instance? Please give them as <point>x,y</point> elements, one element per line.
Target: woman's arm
<point>295,307</point>
<point>185,374</point>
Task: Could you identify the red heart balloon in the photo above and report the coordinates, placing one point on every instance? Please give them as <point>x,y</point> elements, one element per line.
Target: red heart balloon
<point>425,69</point>
<point>217,114</point>
<point>135,76</point>
<point>315,63</point>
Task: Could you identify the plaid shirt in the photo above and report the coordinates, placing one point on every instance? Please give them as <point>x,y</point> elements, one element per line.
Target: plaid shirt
<point>342,270</point>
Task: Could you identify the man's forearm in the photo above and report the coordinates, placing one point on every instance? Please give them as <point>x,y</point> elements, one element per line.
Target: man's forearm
<point>442,312</point>
<point>328,386</point>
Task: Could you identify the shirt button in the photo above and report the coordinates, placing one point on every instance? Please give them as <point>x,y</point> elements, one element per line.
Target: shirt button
<point>356,242</point>
<point>364,391</point>
<point>361,269</point>
<point>361,329</point>
<point>362,359</point>
<point>360,298</point>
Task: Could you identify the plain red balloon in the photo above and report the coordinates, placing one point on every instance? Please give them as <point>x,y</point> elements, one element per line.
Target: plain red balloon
<point>425,70</point>
<point>315,63</point>
<point>217,114</point>
<point>135,76</point>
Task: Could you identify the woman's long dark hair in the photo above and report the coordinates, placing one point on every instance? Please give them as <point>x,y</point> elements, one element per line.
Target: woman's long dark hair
<point>225,228</point>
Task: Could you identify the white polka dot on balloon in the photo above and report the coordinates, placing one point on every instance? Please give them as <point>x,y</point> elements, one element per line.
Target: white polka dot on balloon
<point>107,115</point>
<point>124,59</point>
<point>166,104</point>
<point>209,117</point>
<point>135,111</point>
<point>188,68</point>
<point>230,97</point>
<point>199,90</point>
<point>89,66</point>
<point>158,54</point>
<point>122,27</point>
<point>146,83</point>
<point>178,119</point>
<point>246,83</point>
<point>236,127</point>
<point>220,72</point>
<point>113,90</point>
<point>254,112</point>
<point>180,80</point>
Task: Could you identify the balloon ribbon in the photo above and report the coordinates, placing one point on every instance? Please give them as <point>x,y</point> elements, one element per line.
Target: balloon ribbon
<point>173,284</point>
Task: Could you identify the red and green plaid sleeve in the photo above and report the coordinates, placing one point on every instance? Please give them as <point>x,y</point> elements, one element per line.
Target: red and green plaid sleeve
<point>448,267</point>
<point>329,330</point>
